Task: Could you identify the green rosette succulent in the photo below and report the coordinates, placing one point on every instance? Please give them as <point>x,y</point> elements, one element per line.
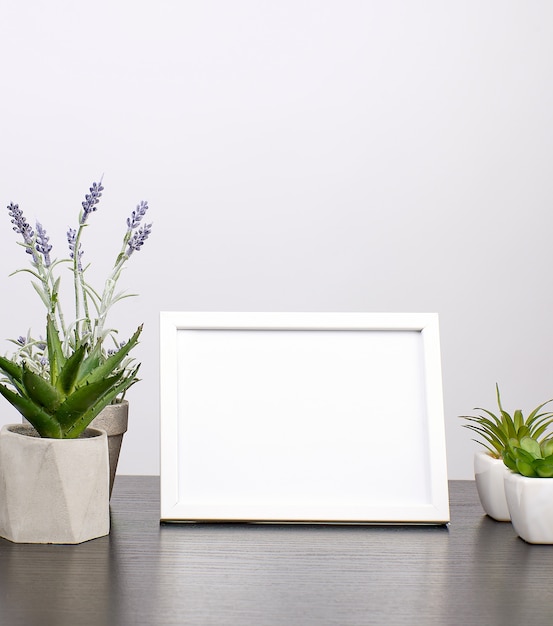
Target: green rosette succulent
<point>496,431</point>
<point>62,383</point>
<point>530,457</point>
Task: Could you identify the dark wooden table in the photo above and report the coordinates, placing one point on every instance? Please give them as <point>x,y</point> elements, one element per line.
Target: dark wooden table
<point>475,571</point>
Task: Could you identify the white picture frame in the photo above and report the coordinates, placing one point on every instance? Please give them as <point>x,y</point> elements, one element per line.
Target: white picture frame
<point>302,418</point>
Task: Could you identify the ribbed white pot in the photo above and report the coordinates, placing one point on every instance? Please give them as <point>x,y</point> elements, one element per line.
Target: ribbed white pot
<point>489,474</point>
<point>530,502</point>
<point>53,490</point>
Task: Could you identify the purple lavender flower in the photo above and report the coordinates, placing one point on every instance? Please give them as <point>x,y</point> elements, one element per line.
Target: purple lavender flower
<point>112,351</point>
<point>91,200</point>
<point>137,215</point>
<point>71,240</point>
<point>42,243</point>
<point>138,239</point>
<point>21,340</point>
<point>21,226</point>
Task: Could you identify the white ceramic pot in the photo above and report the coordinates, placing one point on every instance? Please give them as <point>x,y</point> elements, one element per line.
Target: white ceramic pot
<point>530,503</point>
<point>489,474</point>
<point>53,490</point>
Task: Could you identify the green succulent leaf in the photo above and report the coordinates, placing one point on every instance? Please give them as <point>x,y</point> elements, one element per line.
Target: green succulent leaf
<point>55,352</point>
<point>508,424</point>
<point>492,430</point>
<point>492,451</point>
<point>510,461</point>
<point>518,419</point>
<point>494,418</point>
<point>90,363</point>
<point>11,369</point>
<point>14,374</point>
<point>513,443</point>
<point>497,445</point>
<point>534,414</point>
<point>540,424</point>
<point>531,446</point>
<point>82,399</point>
<point>41,391</point>
<point>45,424</point>
<point>523,455</point>
<point>112,362</point>
<point>77,427</point>
<point>525,468</point>
<point>546,447</point>
<point>498,395</point>
<point>544,468</point>
<point>70,370</point>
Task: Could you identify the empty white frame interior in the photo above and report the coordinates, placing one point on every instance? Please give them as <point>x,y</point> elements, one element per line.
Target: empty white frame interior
<point>302,417</point>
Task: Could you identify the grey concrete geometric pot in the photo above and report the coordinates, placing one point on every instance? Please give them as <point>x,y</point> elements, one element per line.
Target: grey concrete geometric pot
<point>53,490</point>
<point>114,420</point>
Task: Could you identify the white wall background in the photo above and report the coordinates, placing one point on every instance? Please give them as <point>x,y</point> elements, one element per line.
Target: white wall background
<point>299,155</point>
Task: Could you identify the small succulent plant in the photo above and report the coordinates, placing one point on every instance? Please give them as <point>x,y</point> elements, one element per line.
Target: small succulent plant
<point>530,457</point>
<point>61,384</point>
<point>496,431</point>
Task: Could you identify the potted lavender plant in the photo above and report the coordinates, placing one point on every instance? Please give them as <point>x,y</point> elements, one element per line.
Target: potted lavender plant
<point>61,385</point>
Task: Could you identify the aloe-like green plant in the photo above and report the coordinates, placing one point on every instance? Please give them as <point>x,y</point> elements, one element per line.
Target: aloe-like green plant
<point>530,457</point>
<point>62,383</point>
<point>495,431</point>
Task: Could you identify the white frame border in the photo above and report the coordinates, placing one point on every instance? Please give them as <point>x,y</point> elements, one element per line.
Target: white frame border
<point>437,512</point>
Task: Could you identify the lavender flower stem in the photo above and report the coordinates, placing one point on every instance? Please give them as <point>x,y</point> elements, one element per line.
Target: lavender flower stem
<point>38,246</point>
<point>133,239</point>
<point>88,206</point>
<point>78,283</point>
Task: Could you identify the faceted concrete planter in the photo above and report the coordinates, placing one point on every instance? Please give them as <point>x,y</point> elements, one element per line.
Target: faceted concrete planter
<point>530,503</point>
<point>489,474</point>
<point>114,420</point>
<point>53,490</point>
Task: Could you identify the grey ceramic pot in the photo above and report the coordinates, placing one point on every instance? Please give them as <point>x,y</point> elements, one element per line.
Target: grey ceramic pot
<point>114,420</point>
<point>53,490</point>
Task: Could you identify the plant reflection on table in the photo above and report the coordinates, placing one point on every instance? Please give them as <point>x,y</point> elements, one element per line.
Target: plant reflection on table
<point>47,585</point>
<point>500,591</point>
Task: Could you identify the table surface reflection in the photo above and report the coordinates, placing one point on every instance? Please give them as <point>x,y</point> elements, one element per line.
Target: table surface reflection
<point>473,571</point>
